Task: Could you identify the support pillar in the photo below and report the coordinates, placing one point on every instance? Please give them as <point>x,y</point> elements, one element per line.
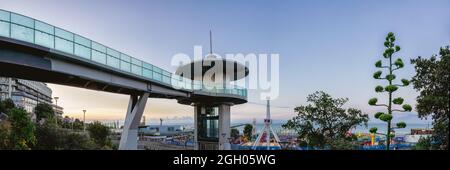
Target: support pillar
<point>136,106</point>
<point>224,127</point>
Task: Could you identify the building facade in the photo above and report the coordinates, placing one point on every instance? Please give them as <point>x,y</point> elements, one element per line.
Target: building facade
<point>27,94</point>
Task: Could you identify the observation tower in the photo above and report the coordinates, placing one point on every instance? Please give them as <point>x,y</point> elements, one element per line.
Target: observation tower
<point>212,113</point>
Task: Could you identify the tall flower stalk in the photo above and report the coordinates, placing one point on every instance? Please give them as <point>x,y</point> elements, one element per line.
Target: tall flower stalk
<point>390,66</point>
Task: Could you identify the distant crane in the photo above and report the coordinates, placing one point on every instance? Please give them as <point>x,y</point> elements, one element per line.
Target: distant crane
<point>267,130</point>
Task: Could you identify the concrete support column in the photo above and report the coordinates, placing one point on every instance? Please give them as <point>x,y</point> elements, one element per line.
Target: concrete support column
<point>136,106</point>
<point>224,127</point>
<point>9,87</point>
<point>196,112</point>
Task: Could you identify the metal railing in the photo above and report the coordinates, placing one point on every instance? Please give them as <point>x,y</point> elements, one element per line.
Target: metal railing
<point>23,28</point>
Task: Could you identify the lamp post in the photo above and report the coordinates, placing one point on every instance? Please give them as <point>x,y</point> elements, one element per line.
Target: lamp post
<point>56,112</point>
<point>84,120</point>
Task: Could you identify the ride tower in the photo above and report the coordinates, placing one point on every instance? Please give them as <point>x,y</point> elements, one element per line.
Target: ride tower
<point>266,132</point>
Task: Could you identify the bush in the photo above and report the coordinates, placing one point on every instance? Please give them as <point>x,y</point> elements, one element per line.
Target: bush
<point>22,129</point>
<point>48,137</point>
<point>6,105</point>
<point>100,134</point>
<point>77,141</point>
<point>44,111</point>
<point>424,143</point>
<point>5,130</point>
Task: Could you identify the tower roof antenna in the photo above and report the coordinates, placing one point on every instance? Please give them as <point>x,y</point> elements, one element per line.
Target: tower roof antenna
<point>210,42</point>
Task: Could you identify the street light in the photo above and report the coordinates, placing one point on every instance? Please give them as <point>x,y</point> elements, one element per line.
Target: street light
<point>56,112</point>
<point>84,120</point>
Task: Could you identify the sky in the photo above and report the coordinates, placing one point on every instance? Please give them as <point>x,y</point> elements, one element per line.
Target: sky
<point>323,45</point>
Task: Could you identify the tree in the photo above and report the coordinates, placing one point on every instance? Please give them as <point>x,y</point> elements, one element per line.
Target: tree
<point>248,128</point>
<point>22,129</point>
<point>44,111</point>
<point>78,124</point>
<point>390,66</point>
<point>433,82</point>
<point>424,143</point>
<point>99,133</point>
<point>47,136</point>
<point>5,131</point>
<point>6,105</point>
<point>234,133</point>
<point>76,141</point>
<point>325,122</point>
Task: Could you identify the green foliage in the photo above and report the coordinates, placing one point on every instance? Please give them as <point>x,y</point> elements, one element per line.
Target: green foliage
<point>431,80</point>
<point>407,107</point>
<point>5,131</point>
<point>398,101</point>
<point>99,133</point>
<point>51,138</point>
<point>234,133</point>
<point>373,101</point>
<point>424,143</point>
<point>248,131</point>
<point>401,125</point>
<point>390,77</point>
<point>44,111</point>
<point>390,36</point>
<point>6,105</point>
<point>389,52</point>
<point>378,114</point>
<point>392,135</point>
<point>386,117</point>
<point>48,136</point>
<point>77,124</point>
<point>378,64</point>
<point>77,141</point>
<point>397,48</point>
<point>377,74</point>
<point>405,82</point>
<point>324,121</point>
<point>391,88</point>
<point>373,130</point>
<point>19,132</point>
<point>379,89</point>
<point>348,143</point>
<point>387,44</point>
<point>399,63</point>
<point>22,129</point>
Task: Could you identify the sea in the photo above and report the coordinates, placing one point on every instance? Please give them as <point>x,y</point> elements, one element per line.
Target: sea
<point>277,127</point>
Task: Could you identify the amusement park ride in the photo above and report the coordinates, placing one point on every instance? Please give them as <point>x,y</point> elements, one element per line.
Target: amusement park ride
<point>266,133</point>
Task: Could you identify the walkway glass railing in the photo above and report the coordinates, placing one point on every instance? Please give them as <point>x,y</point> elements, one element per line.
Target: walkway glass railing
<point>30,30</point>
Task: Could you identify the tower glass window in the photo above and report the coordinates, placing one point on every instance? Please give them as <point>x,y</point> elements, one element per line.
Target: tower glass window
<point>208,123</point>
